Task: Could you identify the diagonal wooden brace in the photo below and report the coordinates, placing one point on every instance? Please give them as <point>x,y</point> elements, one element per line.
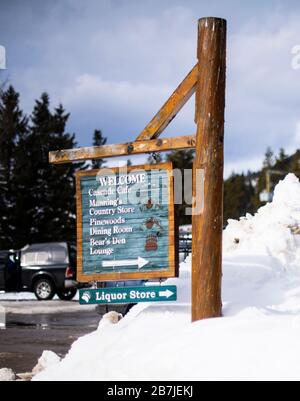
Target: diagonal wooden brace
<point>171,108</point>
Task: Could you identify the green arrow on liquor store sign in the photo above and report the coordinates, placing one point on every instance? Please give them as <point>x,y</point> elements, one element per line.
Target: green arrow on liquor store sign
<point>127,295</point>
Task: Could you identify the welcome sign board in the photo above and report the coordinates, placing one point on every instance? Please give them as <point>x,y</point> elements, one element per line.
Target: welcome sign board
<point>125,224</point>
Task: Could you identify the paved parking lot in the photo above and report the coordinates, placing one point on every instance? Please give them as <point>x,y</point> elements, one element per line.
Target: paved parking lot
<point>32,327</point>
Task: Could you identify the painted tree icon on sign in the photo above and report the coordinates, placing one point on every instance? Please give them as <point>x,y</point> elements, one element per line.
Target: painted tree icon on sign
<point>2,58</point>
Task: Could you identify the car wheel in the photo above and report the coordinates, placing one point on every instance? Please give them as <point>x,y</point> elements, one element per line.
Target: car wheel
<point>67,295</point>
<point>44,289</point>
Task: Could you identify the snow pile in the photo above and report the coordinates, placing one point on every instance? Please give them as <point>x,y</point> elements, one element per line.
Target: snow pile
<point>7,375</point>
<point>274,232</point>
<point>110,318</point>
<point>47,360</point>
<point>259,336</point>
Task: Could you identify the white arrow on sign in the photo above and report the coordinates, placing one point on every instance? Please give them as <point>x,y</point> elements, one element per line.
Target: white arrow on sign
<point>140,262</point>
<point>166,294</point>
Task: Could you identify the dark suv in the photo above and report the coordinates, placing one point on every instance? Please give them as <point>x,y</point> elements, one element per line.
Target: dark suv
<point>45,269</point>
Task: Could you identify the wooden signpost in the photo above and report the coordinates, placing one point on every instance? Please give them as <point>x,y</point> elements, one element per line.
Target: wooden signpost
<point>208,226</point>
<point>133,254</point>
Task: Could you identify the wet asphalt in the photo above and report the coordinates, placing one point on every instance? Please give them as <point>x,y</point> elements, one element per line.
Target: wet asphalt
<point>32,327</point>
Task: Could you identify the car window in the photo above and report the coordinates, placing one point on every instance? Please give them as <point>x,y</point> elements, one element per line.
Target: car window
<point>35,258</point>
<point>3,260</point>
<point>59,255</point>
<point>45,254</point>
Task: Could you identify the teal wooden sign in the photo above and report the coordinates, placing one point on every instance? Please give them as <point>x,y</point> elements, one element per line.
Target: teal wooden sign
<point>128,295</point>
<point>125,224</point>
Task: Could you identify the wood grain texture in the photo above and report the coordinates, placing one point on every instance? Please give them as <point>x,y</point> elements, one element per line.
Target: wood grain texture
<point>171,108</point>
<point>168,271</point>
<point>127,149</point>
<point>208,226</point>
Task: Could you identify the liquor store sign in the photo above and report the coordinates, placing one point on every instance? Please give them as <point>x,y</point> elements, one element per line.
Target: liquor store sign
<point>128,295</point>
<point>125,224</point>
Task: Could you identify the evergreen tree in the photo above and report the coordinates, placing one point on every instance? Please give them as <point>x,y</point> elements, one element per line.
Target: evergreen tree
<point>13,125</point>
<point>282,161</point>
<point>294,164</point>
<point>269,159</point>
<point>282,156</point>
<point>46,191</point>
<point>261,185</point>
<point>98,140</point>
<point>238,194</point>
<point>155,158</point>
<point>4,243</point>
<point>182,160</point>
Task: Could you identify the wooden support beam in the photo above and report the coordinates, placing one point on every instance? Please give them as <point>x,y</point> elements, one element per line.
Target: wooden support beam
<point>133,148</point>
<point>171,108</point>
<point>208,226</point>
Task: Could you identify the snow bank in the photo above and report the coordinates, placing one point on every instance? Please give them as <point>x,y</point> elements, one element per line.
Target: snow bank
<point>7,375</point>
<point>258,338</point>
<point>47,360</point>
<point>274,232</point>
<point>14,296</point>
<point>23,296</point>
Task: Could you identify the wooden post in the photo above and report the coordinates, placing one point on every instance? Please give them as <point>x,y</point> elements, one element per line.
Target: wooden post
<point>208,226</point>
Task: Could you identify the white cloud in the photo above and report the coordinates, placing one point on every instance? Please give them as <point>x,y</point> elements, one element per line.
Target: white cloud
<point>93,91</point>
<point>295,141</point>
<point>243,165</point>
<point>263,89</point>
<point>114,63</point>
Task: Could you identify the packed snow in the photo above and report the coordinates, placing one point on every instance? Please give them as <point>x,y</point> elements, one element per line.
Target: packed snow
<point>47,360</point>
<point>258,337</point>
<point>23,296</point>
<point>7,375</point>
<point>16,296</point>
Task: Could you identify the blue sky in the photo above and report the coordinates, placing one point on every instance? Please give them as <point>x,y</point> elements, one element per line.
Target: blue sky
<point>113,63</point>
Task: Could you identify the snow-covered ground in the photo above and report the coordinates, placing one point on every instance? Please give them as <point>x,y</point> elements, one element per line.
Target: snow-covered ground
<point>16,296</point>
<point>258,337</point>
<point>24,296</point>
<point>25,303</point>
